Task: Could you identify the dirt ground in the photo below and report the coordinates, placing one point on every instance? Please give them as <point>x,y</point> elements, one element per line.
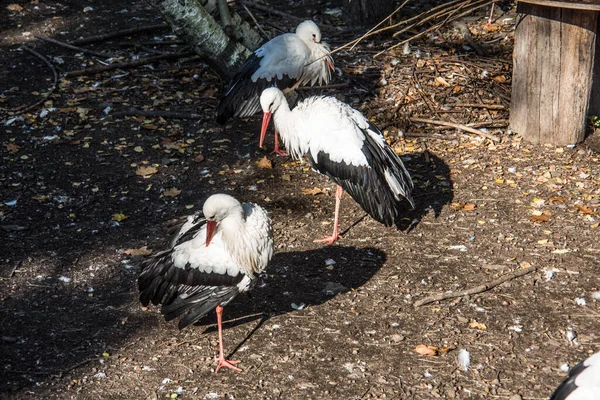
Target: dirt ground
<point>83,189</point>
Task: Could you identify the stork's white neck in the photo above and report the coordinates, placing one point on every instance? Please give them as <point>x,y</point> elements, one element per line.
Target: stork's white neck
<point>288,124</point>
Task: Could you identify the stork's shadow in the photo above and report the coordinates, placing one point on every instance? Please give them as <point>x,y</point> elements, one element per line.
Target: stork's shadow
<point>299,279</point>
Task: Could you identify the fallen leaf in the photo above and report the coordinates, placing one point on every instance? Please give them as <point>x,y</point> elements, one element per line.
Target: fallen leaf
<point>426,350</point>
<point>138,149</point>
<point>172,192</point>
<point>265,163</point>
<point>539,218</point>
<point>473,324</point>
<point>142,251</point>
<point>119,217</point>
<point>556,199</point>
<point>14,7</point>
<point>199,158</point>
<point>441,81</point>
<point>469,207</point>
<point>500,78</point>
<point>585,210</point>
<point>146,170</point>
<point>314,191</point>
<point>13,148</point>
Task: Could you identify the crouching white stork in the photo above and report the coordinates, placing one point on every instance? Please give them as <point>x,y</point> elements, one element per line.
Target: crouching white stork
<point>583,382</point>
<point>214,256</point>
<point>287,61</point>
<point>342,144</point>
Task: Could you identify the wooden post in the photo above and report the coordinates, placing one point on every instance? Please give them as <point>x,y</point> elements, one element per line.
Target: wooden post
<point>555,59</point>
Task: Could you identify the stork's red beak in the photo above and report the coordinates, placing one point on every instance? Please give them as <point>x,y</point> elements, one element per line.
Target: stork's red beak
<point>210,231</point>
<point>263,130</point>
<point>330,64</point>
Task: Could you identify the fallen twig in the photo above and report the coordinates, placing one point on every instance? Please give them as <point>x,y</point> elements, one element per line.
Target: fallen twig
<point>477,289</point>
<point>449,18</point>
<point>498,123</point>
<point>477,105</point>
<point>125,32</point>
<point>370,31</point>
<point>457,126</point>
<point>71,47</point>
<point>291,17</point>
<point>260,29</point>
<point>50,91</point>
<point>332,86</point>
<point>131,64</point>
<point>150,113</point>
<point>17,265</point>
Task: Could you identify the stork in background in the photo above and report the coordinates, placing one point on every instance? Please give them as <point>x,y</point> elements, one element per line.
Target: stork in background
<point>343,145</point>
<point>583,382</point>
<point>215,255</point>
<point>287,61</point>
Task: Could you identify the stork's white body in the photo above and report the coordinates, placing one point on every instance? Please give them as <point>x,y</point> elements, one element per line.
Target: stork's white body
<point>214,256</point>
<point>287,61</point>
<point>342,144</point>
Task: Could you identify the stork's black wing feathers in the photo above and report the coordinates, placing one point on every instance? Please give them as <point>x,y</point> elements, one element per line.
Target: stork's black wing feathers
<point>367,184</point>
<point>568,385</point>
<point>242,97</point>
<point>382,158</point>
<point>197,303</point>
<point>180,290</point>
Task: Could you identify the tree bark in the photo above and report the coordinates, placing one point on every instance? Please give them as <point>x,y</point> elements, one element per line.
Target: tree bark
<point>194,24</point>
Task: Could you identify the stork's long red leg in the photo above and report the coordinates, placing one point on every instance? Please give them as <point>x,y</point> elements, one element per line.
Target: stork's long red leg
<point>277,150</point>
<point>222,361</point>
<point>491,18</point>
<point>335,236</point>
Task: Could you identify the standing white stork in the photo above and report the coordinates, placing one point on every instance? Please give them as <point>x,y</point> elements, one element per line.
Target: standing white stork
<point>342,144</point>
<point>287,61</point>
<point>214,256</point>
<point>583,382</point>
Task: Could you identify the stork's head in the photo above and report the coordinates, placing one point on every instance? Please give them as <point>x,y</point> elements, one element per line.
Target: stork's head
<point>309,32</point>
<point>217,208</point>
<point>270,100</point>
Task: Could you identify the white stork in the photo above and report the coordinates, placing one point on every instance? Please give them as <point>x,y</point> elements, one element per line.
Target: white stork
<point>287,61</point>
<point>583,382</point>
<point>214,256</point>
<point>342,144</point>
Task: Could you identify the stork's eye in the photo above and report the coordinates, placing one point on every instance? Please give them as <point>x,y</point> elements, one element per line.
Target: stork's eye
<point>314,36</point>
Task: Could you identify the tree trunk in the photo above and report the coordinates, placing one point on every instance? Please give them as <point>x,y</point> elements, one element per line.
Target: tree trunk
<point>193,23</point>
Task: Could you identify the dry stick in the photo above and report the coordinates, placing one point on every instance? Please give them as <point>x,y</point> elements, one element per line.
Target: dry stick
<point>125,32</point>
<point>387,28</point>
<point>148,113</point>
<point>54,84</point>
<point>457,126</point>
<point>449,19</point>
<point>445,11</point>
<point>71,47</point>
<point>498,123</point>
<point>284,14</point>
<point>260,29</point>
<point>477,289</point>
<point>17,266</point>
<point>479,105</point>
<point>132,64</point>
<point>357,41</point>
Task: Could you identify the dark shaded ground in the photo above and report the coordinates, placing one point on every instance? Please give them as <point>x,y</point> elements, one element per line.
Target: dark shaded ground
<point>332,322</point>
